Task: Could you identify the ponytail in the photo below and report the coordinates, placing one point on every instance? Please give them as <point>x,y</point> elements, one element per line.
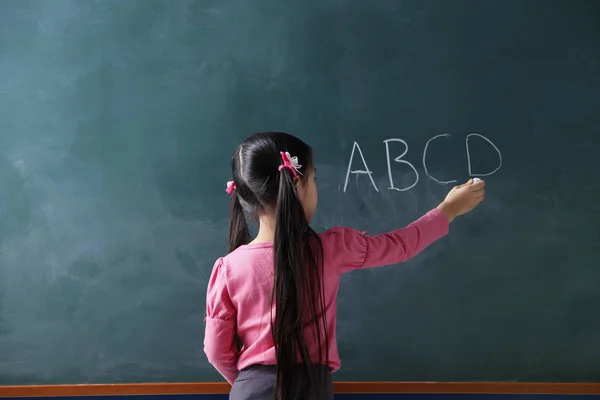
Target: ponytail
<point>265,186</point>
<point>238,227</point>
<point>298,292</point>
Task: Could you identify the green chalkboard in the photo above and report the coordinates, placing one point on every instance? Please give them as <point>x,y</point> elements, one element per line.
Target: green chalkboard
<point>118,119</point>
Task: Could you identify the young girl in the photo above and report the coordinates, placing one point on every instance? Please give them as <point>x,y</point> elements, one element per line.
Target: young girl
<point>271,302</point>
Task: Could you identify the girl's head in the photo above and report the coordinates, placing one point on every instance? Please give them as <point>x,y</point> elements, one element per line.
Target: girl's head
<point>259,181</point>
<point>274,177</point>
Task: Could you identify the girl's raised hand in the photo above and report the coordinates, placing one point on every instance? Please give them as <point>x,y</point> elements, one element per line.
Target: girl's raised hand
<point>462,199</point>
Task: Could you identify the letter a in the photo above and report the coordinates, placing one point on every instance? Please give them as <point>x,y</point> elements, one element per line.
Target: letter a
<point>358,171</point>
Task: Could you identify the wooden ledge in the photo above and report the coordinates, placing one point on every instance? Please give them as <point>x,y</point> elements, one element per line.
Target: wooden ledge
<point>340,388</point>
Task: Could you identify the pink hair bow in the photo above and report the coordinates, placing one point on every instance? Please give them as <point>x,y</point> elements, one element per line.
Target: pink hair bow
<point>230,187</point>
<point>290,162</point>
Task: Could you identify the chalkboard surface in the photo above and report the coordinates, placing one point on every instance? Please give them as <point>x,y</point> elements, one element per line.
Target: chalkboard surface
<point>118,119</point>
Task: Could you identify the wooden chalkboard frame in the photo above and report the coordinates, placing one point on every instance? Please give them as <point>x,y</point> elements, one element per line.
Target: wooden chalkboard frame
<point>535,388</point>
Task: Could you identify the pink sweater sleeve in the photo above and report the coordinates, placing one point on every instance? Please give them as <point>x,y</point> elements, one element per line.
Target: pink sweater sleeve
<point>219,344</point>
<point>349,249</point>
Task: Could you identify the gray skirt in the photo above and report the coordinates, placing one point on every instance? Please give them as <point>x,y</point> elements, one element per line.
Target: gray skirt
<point>258,383</point>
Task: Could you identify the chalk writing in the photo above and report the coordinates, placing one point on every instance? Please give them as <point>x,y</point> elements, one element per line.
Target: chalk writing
<point>367,171</point>
<point>469,154</point>
<point>400,159</point>
<point>446,135</point>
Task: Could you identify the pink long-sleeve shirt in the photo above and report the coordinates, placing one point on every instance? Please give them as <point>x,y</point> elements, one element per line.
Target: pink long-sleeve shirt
<point>239,290</point>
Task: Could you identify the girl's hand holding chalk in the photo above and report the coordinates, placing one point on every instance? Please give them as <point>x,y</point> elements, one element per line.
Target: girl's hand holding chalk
<point>463,198</point>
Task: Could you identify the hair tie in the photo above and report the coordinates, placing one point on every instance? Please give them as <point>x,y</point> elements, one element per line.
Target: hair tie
<point>230,187</point>
<point>290,162</point>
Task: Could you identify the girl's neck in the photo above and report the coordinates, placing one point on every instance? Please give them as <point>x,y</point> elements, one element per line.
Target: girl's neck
<point>266,230</point>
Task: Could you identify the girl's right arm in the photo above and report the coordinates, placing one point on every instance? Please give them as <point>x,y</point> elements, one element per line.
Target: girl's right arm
<point>219,334</point>
<point>351,249</point>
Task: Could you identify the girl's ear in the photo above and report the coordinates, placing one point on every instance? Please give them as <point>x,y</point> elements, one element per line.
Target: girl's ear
<point>299,187</point>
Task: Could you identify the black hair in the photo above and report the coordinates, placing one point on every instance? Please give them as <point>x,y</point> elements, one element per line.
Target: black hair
<point>298,290</point>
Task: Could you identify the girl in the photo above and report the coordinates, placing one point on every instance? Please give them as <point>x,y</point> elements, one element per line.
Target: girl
<point>275,295</point>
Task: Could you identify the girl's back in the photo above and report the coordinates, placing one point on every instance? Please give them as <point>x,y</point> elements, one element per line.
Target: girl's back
<point>248,273</point>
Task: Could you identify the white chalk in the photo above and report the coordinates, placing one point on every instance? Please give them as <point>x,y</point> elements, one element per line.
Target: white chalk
<point>476,180</point>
